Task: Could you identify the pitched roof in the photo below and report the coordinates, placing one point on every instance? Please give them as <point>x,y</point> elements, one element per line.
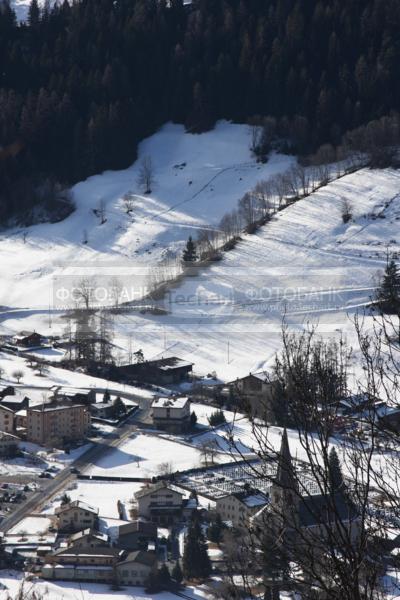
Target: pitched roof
<point>103,551</point>
<point>138,526</point>
<point>143,558</point>
<point>76,504</point>
<point>170,402</point>
<point>154,487</point>
<point>87,532</point>
<point>317,509</point>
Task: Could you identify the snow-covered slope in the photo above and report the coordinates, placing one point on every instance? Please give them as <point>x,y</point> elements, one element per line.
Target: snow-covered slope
<point>306,263</point>
<point>214,171</point>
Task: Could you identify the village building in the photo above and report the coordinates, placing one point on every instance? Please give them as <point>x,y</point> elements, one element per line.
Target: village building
<point>57,425</point>
<point>6,390</point>
<point>160,503</point>
<point>136,568</point>
<point>21,419</point>
<point>254,391</point>
<point>73,395</point>
<point>76,516</point>
<point>239,507</point>
<point>136,535</point>
<point>28,339</point>
<point>87,539</point>
<point>297,512</point>
<point>15,401</point>
<point>171,414</point>
<point>7,419</point>
<point>8,444</point>
<point>163,371</point>
<point>75,564</point>
<point>102,410</point>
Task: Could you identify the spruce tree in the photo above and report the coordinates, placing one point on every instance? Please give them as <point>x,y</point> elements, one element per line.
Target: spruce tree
<point>388,295</point>
<point>193,419</point>
<point>34,13</point>
<point>335,472</point>
<point>196,562</point>
<point>189,253</point>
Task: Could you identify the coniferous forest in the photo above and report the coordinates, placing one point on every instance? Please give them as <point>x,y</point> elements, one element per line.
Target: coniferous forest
<point>81,84</point>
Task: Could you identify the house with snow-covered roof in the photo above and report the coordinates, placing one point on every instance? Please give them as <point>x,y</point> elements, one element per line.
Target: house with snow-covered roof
<point>239,507</point>
<point>171,414</point>
<point>76,516</point>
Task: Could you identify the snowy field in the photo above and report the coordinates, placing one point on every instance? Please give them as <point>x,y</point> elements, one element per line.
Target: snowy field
<point>227,319</point>
<point>81,591</point>
<point>142,455</point>
<point>37,387</point>
<point>306,263</point>
<point>102,495</point>
<point>218,170</point>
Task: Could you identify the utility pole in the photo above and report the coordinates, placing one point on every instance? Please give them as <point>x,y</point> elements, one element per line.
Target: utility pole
<point>228,350</point>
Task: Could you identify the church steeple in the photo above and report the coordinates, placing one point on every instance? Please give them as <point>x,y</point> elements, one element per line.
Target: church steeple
<point>284,489</point>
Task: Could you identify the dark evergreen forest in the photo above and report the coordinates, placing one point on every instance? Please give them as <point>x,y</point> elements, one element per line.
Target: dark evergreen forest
<point>83,83</point>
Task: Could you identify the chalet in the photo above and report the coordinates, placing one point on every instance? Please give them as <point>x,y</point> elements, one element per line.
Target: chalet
<point>16,402</point>
<point>255,390</point>
<point>76,516</point>
<point>171,414</point>
<point>162,371</point>
<point>8,444</point>
<point>87,539</point>
<point>28,339</point>
<point>7,419</point>
<point>102,410</point>
<point>160,503</point>
<point>136,535</point>
<point>136,568</point>
<point>73,395</point>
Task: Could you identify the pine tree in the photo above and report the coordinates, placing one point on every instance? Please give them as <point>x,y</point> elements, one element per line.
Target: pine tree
<point>177,573</point>
<point>189,253</point>
<point>106,397</point>
<point>388,295</point>
<point>193,419</point>
<point>335,472</point>
<point>119,407</point>
<point>196,562</point>
<point>34,13</point>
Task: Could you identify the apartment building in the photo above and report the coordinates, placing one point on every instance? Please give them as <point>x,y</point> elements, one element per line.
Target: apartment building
<point>57,425</point>
<point>6,419</point>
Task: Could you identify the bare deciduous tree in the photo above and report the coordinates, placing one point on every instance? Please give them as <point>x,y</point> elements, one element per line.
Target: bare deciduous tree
<point>84,291</point>
<point>18,374</point>
<point>146,175</point>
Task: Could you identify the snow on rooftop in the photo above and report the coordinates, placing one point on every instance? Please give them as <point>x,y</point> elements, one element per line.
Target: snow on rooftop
<point>171,403</point>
